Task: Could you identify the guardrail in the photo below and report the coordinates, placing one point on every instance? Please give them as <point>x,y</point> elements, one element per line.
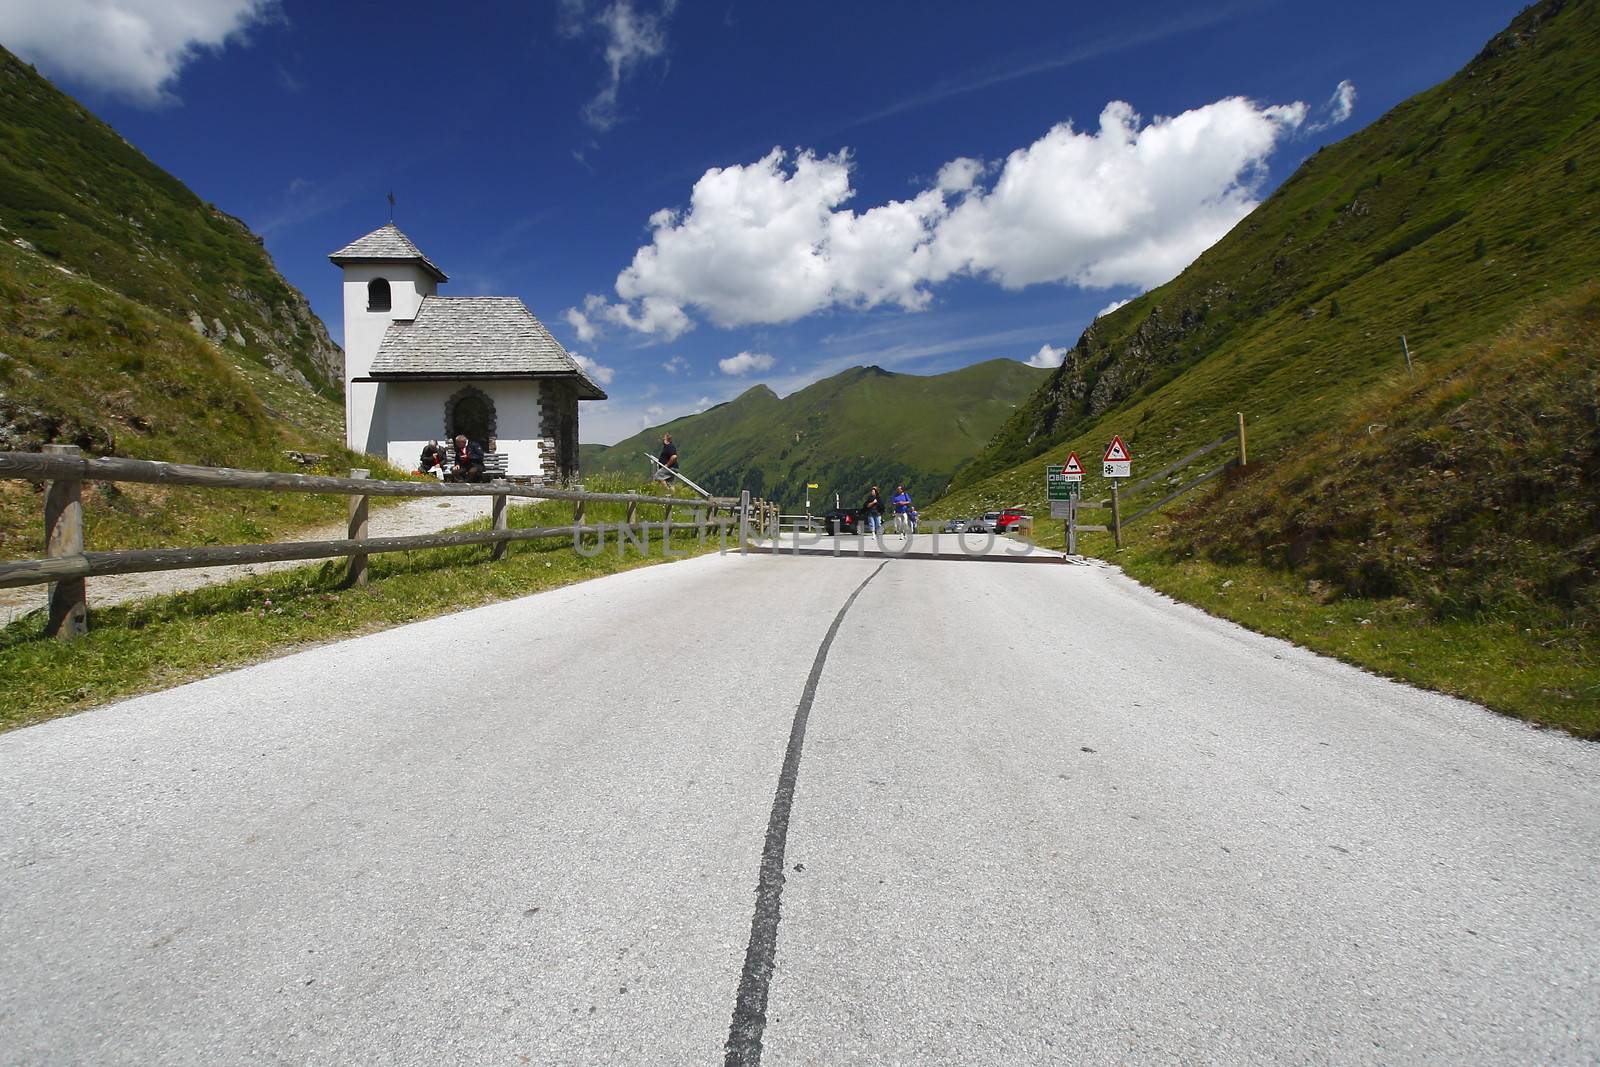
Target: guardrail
<point>67,563</point>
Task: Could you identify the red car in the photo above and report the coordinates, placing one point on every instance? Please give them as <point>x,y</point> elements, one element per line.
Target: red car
<point>1011,520</point>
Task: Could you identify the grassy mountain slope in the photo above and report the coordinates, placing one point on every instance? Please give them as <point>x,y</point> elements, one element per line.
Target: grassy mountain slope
<point>1440,221</point>
<point>860,426</point>
<point>1462,502</point>
<point>106,265</point>
<point>89,201</point>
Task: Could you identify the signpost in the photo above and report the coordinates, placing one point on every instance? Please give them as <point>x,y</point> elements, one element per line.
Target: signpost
<point>1116,465</point>
<point>1063,483</point>
<point>809,486</point>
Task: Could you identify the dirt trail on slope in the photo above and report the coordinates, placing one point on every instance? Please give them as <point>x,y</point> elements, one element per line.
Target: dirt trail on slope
<point>426,515</point>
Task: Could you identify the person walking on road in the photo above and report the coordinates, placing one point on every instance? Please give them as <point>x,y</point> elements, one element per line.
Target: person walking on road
<point>668,461</point>
<point>902,511</point>
<point>872,508</point>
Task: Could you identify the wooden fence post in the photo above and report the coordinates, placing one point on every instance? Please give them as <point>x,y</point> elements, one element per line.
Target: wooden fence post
<point>358,532</point>
<point>499,516</point>
<point>633,512</point>
<point>744,518</point>
<point>577,513</point>
<point>1072,526</point>
<point>1244,457</point>
<point>68,617</point>
<point>1116,514</point>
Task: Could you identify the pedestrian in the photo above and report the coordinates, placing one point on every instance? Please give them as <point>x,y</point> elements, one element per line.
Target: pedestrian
<point>469,462</point>
<point>667,462</point>
<point>902,511</point>
<point>913,520</point>
<point>872,508</point>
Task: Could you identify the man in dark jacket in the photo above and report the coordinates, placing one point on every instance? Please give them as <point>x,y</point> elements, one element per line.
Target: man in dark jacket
<point>432,458</point>
<point>469,462</point>
<point>872,508</point>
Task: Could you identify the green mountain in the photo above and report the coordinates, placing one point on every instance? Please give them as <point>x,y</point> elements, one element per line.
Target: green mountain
<point>860,426</point>
<point>137,320</point>
<point>1457,503</point>
<point>1441,221</point>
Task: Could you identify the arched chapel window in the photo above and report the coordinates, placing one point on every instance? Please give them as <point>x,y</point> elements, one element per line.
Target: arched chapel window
<point>378,294</point>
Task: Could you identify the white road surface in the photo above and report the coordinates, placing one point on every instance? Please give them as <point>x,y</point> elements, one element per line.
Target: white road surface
<point>1022,814</point>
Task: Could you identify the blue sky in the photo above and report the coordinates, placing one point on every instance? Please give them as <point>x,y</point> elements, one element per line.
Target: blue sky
<point>697,197</point>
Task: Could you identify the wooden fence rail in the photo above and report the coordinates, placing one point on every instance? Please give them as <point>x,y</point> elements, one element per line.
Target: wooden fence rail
<point>68,564</point>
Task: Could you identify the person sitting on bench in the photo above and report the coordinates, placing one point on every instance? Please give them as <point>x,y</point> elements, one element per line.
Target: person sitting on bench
<point>432,460</point>
<point>469,462</point>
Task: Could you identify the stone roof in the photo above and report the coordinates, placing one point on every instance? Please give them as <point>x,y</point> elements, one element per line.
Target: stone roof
<point>476,336</point>
<point>386,244</point>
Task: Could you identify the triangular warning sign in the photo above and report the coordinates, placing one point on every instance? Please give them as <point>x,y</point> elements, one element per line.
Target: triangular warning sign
<point>1116,451</point>
<point>1073,466</point>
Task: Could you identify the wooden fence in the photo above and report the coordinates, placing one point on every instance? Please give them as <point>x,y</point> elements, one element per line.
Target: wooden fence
<point>1113,503</point>
<point>68,563</point>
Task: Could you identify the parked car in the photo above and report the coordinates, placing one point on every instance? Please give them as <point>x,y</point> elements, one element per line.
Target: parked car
<point>840,520</point>
<point>981,524</point>
<point>955,526</point>
<point>1010,520</point>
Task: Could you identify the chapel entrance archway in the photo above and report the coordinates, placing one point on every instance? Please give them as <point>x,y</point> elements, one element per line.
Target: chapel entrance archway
<point>469,411</point>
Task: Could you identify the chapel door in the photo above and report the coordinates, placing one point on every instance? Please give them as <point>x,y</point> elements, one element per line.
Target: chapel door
<point>473,415</point>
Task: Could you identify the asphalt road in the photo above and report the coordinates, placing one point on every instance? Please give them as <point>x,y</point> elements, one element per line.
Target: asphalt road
<point>1013,815</point>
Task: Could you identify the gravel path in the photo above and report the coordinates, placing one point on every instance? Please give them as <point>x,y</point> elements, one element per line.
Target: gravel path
<point>848,811</point>
<point>411,517</point>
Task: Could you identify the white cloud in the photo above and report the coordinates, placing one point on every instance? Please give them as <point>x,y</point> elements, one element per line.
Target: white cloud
<point>1340,106</point>
<point>675,364</point>
<point>1127,204</point>
<point>597,371</point>
<point>744,363</point>
<point>654,411</point>
<point>586,330</point>
<point>631,38</point>
<point>1047,356</point>
<point>1109,308</point>
<point>133,49</point>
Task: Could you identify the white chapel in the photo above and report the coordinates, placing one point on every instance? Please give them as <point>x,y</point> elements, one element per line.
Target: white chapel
<point>419,366</point>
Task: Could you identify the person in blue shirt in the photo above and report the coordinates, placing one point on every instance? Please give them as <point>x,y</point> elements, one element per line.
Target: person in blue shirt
<point>902,510</point>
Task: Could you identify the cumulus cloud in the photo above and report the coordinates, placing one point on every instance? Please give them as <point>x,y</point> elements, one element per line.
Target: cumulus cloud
<point>630,38</point>
<point>744,363</point>
<point>133,49</point>
<point>1109,308</point>
<point>1129,203</point>
<point>587,331</point>
<point>599,372</point>
<point>1340,106</point>
<point>675,364</point>
<point>1047,356</point>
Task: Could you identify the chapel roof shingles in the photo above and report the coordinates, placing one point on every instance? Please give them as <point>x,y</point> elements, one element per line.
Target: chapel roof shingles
<point>484,336</point>
<point>386,243</point>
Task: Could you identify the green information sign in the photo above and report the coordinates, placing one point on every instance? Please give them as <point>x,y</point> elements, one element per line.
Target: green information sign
<point>1056,484</point>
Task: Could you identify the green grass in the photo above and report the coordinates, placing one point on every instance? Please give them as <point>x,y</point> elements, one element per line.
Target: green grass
<point>162,642</point>
<point>860,426</point>
<point>1543,673</point>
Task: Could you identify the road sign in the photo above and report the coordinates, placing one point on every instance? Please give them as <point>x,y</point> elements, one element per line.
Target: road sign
<point>812,485</point>
<point>1117,463</point>
<point>1056,486</point>
<point>1073,469</point>
<point>1060,509</point>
